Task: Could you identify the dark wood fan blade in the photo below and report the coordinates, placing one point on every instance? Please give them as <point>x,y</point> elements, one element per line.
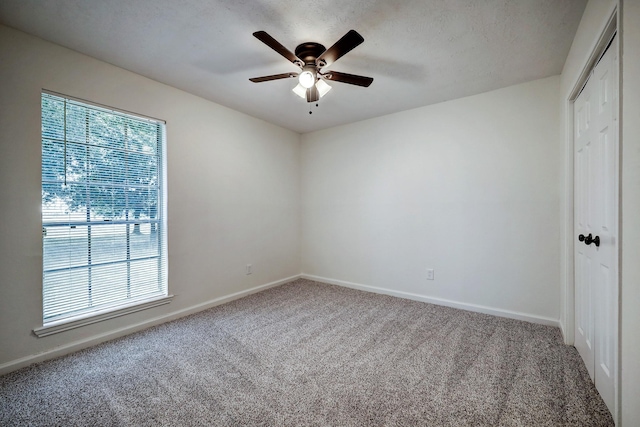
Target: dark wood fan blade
<point>312,94</point>
<point>352,79</point>
<point>273,77</point>
<point>340,48</point>
<point>275,45</point>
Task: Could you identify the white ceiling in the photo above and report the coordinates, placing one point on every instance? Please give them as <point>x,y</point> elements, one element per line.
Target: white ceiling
<point>419,52</point>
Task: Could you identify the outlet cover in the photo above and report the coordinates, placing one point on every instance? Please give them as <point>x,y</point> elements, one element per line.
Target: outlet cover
<point>430,274</point>
<point>249,269</point>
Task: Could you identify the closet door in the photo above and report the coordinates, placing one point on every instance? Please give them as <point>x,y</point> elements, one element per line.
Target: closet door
<point>596,208</point>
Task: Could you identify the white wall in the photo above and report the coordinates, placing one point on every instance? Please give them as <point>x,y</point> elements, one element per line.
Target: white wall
<point>233,191</point>
<point>470,188</point>
<point>630,224</point>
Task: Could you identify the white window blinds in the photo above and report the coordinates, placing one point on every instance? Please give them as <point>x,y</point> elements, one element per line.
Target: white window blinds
<point>103,209</point>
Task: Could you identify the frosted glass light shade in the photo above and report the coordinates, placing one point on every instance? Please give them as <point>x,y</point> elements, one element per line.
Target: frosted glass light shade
<point>300,91</point>
<point>322,87</point>
<point>306,79</point>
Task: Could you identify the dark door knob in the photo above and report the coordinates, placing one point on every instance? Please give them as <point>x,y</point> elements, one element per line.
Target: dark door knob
<point>581,237</point>
<point>589,240</point>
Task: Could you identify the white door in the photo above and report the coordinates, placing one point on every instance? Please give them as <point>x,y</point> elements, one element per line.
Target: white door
<point>596,206</point>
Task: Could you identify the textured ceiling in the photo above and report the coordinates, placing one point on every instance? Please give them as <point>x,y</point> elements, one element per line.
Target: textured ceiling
<point>419,52</point>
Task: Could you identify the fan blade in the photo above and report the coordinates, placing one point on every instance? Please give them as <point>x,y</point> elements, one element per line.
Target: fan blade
<point>275,45</point>
<point>340,48</point>
<point>312,94</point>
<point>351,79</point>
<point>273,77</point>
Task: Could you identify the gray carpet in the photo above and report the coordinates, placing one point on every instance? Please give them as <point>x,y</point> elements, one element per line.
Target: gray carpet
<point>311,354</point>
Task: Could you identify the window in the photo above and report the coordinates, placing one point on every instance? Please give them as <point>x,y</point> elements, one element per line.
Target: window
<point>103,212</point>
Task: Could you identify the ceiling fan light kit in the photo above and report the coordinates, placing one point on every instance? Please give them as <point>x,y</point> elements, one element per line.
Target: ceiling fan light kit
<point>312,57</point>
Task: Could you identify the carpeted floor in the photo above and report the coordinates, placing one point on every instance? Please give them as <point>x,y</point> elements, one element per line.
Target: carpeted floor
<point>310,354</point>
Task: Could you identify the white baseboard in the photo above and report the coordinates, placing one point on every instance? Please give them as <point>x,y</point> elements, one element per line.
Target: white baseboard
<point>439,301</point>
<point>561,326</point>
<point>567,335</point>
<point>107,336</point>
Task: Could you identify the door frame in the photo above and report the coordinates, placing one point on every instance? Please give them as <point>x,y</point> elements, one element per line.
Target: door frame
<point>607,33</point>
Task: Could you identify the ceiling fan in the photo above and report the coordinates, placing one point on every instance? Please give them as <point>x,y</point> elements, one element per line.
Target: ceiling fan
<point>312,57</point>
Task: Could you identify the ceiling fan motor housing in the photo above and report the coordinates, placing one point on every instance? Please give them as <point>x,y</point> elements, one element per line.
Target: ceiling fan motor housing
<point>309,52</point>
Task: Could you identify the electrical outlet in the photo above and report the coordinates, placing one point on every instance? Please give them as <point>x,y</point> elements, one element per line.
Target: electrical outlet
<point>249,269</point>
<point>430,274</point>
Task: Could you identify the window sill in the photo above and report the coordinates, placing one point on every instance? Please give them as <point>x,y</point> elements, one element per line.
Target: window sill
<point>98,316</point>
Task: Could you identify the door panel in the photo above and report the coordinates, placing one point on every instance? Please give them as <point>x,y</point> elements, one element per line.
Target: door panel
<point>605,227</point>
<point>605,322</point>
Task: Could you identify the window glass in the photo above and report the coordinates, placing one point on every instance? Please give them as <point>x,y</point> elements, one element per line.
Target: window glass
<point>103,210</point>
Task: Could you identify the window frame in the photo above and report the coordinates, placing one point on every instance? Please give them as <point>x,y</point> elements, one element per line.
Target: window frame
<point>114,309</point>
